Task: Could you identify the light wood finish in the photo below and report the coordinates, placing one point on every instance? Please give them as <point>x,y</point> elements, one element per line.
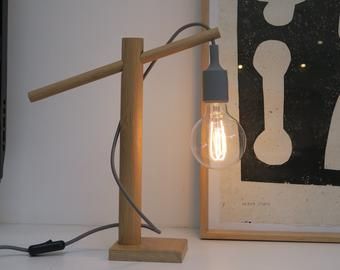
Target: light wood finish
<point>131,121</point>
<point>130,245</point>
<point>151,250</point>
<point>180,45</point>
<point>206,233</point>
<point>204,172</point>
<point>316,237</point>
<point>104,71</point>
<point>75,81</point>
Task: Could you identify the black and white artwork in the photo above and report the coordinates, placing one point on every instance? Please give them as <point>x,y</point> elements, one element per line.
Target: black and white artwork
<point>289,88</point>
<point>283,63</point>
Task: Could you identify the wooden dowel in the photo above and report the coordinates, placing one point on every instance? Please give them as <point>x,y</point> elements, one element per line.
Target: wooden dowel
<point>131,121</point>
<point>75,81</point>
<point>110,69</point>
<point>180,45</point>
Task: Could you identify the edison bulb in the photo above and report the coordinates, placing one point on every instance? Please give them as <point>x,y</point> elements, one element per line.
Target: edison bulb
<point>217,140</point>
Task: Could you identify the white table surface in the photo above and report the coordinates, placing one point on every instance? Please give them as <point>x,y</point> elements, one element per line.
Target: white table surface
<point>91,253</point>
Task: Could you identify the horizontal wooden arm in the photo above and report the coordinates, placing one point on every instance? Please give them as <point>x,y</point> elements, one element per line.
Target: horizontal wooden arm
<point>75,81</point>
<point>110,69</point>
<point>180,45</point>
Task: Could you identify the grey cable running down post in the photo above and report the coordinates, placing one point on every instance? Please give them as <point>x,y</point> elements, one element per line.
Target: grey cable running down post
<point>113,150</point>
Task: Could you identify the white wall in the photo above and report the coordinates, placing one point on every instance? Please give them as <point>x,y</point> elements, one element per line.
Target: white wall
<point>57,160</point>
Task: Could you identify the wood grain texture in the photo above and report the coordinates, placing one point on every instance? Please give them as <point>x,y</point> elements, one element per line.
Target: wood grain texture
<point>283,236</point>
<point>75,81</point>
<point>204,172</point>
<point>131,121</point>
<point>110,69</point>
<point>169,250</point>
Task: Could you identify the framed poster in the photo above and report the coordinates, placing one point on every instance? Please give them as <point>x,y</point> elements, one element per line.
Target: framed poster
<point>283,63</point>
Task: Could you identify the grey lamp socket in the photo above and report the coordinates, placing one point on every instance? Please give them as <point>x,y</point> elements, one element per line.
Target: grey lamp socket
<point>215,79</point>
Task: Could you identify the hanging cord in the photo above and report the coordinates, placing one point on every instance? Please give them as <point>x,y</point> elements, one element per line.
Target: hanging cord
<point>50,245</point>
<point>172,38</point>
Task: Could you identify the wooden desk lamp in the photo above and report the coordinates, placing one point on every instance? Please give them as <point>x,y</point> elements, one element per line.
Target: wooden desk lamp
<point>131,246</point>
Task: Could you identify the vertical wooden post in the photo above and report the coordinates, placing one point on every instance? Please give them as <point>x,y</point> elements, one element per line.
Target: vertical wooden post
<point>131,140</point>
<point>131,246</point>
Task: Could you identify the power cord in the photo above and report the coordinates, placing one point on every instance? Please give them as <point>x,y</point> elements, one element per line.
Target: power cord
<point>50,245</point>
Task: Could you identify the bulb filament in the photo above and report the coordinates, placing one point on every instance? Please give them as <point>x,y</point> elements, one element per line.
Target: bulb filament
<point>217,141</point>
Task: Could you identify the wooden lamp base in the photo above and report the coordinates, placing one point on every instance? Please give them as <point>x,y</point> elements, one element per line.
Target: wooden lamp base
<point>169,250</point>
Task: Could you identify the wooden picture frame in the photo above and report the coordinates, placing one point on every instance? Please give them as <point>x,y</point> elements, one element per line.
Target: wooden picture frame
<point>265,234</point>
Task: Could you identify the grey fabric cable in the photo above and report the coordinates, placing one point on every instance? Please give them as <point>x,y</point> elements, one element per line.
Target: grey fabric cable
<point>95,230</point>
<point>16,248</point>
<point>149,224</point>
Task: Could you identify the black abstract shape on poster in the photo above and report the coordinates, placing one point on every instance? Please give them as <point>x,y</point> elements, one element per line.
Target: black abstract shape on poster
<point>312,86</point>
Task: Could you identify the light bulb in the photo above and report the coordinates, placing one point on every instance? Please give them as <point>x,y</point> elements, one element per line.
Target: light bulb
<point>217,139</point>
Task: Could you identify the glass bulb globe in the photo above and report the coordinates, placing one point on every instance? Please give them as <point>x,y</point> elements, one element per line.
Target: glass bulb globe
<point>217,140</point>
